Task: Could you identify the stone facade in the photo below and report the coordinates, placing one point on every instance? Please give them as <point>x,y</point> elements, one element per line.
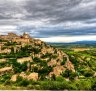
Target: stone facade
<point>25,38</point>
<point>21,40</point>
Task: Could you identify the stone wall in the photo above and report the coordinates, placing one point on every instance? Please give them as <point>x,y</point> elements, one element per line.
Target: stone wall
<point>5,70</point>
<point>24,59</point>
<point>21,40</point>
<point>3,60</point>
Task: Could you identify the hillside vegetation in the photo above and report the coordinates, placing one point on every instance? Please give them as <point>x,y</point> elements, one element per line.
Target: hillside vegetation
<point>27,63</point>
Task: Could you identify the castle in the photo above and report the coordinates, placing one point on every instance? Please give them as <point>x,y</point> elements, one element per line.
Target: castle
<point>25,38</point>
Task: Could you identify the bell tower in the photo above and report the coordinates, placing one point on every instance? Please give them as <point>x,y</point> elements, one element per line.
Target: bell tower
<point>25,35</point>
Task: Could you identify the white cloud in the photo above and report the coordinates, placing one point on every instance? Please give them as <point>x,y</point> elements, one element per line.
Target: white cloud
<point>44,18</point>
<point>67,39</point>
<point>6,29</point>
<point>78,25</point>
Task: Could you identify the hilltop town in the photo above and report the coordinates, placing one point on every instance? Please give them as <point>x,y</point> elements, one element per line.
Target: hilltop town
<point>35,53</point>
<point>25,61</point>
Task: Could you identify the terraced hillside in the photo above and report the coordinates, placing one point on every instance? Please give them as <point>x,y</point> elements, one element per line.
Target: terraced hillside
<point>29,62</point>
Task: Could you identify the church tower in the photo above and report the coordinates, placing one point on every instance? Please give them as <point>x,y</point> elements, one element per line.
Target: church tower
<point>25,35</point>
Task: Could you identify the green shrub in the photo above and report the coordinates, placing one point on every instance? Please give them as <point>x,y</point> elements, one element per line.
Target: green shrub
<point>88,73</point>
<point>54,85</point>
<point>69,73</point>
<point>64,60</point>
<point>24,82</point>
<point>21,82</point>
<point>83,84</point>
<point>60,78</point>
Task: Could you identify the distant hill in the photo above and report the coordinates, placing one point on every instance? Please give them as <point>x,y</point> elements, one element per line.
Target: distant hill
<point>77,42</point>
<point>84,42</point>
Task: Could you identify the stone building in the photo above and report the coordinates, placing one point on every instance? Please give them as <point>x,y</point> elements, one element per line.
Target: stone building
<point>25,38</point>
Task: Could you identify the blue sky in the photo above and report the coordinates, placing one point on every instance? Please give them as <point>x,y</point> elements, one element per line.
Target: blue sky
<point>50,20</point>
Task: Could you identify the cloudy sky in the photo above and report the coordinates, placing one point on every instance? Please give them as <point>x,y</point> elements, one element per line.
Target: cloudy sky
<point>50,20</point>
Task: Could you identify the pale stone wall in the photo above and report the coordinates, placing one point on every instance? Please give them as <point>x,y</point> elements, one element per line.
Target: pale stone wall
<point>37,55</point>
<point>23,75</point>
<point>24,59</point>
<point>15,38</point>
<point>3,60</point>
<point>33,76</point>
<point>47,50</point>
<point>5,70</point>
<point>5,51</point>
<point>4,37</point>
<point>43,50</point>
<point>52,63</point>
<point>14,78</point>
<point>38,41</point>
<point>57,71</point>
<point>21,40</point>
<point>69,66</point>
